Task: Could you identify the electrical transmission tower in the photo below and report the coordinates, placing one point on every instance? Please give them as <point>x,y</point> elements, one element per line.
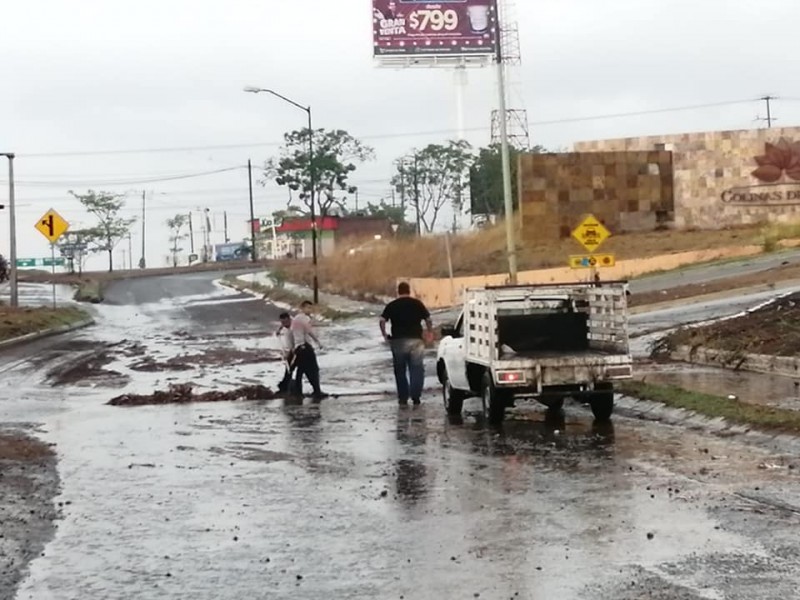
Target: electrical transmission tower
<point>511,54</point>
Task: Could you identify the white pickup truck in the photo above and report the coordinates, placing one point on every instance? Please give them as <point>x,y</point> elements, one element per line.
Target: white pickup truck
<point>545,342</point>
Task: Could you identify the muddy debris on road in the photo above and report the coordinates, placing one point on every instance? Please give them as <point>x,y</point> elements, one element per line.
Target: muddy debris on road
<point>183,393</point>
<point>87,370</point>
<point>212,357</point>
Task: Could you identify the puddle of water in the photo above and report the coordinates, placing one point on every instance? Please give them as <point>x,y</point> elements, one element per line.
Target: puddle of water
<point>754,388</point>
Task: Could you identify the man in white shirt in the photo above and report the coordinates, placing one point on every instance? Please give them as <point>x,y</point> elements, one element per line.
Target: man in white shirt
<point>304,355</point>
<point>287,347</point>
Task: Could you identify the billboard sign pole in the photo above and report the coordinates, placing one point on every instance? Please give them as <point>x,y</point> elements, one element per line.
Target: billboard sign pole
<point>447,28</point>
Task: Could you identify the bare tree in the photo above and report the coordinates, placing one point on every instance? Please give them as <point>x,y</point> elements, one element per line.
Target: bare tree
<point>433,177</point>
<point>175,225</point>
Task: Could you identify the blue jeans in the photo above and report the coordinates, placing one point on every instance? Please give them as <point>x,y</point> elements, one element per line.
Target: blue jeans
<point>409,370</point>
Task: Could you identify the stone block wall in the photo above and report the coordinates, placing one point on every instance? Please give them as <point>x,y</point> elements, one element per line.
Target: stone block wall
<point>714,181</point>
<point>628,191</point>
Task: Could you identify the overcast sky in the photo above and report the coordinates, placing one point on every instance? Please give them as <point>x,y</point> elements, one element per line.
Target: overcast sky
<point>82,80</point>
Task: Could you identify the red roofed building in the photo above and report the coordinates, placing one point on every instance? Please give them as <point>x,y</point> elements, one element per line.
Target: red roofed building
<point>293,235</point>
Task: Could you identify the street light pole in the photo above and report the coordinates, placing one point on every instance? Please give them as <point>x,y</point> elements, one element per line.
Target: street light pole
<point>12,221</point>
<point>312,175</point>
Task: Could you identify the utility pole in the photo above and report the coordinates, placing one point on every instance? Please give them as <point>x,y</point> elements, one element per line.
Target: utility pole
<point>142,261</point>
<point>12,220</point>
<point>191,237</point>
<point>403,187</point>
<point>769,118</point>
<point>508,202</point>
<point>253,253</point>
<point>416,195</point>
<point>207,237</point>
<point>225,225</point>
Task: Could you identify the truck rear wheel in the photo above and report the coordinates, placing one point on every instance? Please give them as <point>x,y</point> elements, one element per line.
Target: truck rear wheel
<point>453,399</point>
<point>602,401</point>
<point>494,405</point>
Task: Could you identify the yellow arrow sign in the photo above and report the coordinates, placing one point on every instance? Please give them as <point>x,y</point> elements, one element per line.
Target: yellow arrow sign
<point>591,233</point>
<point>587,261</point>
<point>52,226</point>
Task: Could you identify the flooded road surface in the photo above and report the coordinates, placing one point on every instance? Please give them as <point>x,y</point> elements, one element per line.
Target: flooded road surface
<point>354,497</point>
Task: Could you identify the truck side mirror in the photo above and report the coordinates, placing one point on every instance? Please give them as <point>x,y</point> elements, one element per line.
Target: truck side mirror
<point>449,331</point>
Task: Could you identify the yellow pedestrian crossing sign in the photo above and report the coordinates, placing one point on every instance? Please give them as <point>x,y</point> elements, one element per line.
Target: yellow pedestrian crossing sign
<point>52,226</point>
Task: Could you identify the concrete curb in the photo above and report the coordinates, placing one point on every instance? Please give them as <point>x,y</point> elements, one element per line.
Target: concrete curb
<point>785,366</point>
<point>36,335</point>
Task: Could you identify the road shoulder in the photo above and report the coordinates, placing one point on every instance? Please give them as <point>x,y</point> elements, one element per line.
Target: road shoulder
<point>28,483</point>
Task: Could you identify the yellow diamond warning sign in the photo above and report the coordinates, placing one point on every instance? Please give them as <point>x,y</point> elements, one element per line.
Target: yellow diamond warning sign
<point>52,226</point>
<point>591,233</point>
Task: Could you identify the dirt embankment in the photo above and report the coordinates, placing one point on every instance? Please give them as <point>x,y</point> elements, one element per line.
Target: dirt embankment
<point>28,483</point>
<point>773,329</point>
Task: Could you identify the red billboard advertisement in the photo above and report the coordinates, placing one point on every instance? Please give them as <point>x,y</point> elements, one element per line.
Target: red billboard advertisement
<point>444,28</point>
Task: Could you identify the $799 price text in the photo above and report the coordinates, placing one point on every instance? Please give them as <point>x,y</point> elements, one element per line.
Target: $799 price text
<point>433,20</point>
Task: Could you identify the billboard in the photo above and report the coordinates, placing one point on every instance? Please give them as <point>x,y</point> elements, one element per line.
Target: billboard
<point>444,28</point>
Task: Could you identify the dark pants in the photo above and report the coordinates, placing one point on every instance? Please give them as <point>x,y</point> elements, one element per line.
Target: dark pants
<point>305,360</point>
<point>286,383</point>
<point>409,370</point>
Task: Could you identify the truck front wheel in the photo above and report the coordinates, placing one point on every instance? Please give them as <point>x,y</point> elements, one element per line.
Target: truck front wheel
<point>602,401</point>
<point>494,406</point>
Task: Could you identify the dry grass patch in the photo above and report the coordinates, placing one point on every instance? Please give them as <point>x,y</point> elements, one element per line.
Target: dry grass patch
<point>15,322</point>
<point>374,272</point>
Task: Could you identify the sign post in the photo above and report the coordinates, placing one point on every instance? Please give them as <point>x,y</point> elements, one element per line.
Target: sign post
<point>52,226</point>
<point>590,234</point>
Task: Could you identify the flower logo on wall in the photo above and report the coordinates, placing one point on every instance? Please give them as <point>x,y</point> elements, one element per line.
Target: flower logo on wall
<point>780,158</point>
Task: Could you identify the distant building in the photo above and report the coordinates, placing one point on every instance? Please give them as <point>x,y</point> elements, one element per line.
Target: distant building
<point>292,237</point>
<point>231,251</point>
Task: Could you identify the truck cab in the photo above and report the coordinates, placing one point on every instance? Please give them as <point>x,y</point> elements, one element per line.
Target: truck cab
<point>544,342</point>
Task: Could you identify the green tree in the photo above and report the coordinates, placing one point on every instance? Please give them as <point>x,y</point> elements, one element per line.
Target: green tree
<point>430,178</point>
<point>175,225</point>
<point>486,179</point>
<point>337,155</point>
<point>394,214</point>
<point>111,228</point>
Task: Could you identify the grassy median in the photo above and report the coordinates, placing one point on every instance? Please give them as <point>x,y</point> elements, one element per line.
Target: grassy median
<point>16,322</point>
<point>758,416</point>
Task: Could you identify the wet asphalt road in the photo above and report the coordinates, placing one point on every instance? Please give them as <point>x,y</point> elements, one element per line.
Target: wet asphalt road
<point>356,498</point>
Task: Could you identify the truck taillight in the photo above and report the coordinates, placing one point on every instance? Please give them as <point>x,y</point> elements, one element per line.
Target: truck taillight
<point>510,376</point>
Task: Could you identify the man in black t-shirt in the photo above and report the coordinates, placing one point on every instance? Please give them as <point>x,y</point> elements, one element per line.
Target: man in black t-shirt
<point>406,315</point>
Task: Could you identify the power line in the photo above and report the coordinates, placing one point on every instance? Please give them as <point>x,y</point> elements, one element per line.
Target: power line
<point>640,113</point>
<point>383,136</point>
<point>92,182</point>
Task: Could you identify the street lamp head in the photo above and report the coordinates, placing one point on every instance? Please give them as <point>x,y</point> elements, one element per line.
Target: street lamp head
<point>252,89</point>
